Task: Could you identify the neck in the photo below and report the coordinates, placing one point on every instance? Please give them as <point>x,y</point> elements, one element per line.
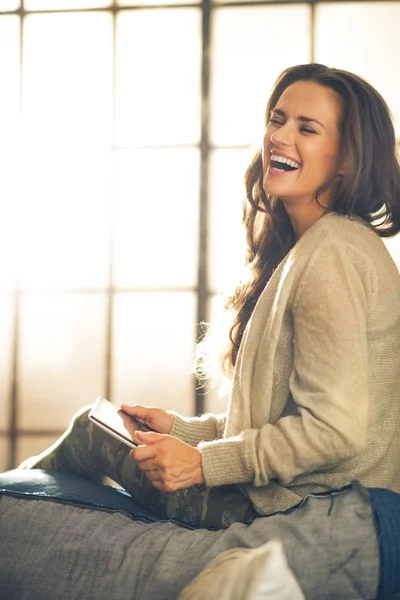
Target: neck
<point>304,214</point>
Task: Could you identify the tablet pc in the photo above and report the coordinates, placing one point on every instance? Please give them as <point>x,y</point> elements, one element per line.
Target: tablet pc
<point>112,420</point>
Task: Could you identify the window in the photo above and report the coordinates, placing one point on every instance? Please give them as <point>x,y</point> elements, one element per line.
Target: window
<point>126,129</point>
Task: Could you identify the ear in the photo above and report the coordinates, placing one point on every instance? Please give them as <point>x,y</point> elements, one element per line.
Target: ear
<point>338,176</point>
<point>342,166</point>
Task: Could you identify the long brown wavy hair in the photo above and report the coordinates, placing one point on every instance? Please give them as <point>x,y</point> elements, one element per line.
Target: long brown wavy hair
<point>370,188</point>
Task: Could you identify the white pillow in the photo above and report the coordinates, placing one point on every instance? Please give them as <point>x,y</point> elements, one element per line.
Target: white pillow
<point>246,574</point>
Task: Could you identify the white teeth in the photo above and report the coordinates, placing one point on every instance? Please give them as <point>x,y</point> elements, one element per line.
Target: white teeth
<point>283,159</point>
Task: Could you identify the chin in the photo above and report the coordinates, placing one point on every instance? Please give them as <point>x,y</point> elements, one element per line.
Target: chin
<point>275,190</point>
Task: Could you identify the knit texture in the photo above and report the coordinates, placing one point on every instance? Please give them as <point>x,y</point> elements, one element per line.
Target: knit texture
<point>315,397</point>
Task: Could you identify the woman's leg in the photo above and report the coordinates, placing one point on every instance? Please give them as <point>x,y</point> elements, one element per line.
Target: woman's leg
<point>84,449</point>
<point>216,507</point>
<point>89,452</point>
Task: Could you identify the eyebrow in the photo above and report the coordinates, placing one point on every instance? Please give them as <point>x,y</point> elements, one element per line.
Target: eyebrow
<point>303,119</point>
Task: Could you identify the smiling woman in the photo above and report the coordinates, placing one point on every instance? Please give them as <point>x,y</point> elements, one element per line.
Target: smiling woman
<point>314,344</point>
<point>350,167</point>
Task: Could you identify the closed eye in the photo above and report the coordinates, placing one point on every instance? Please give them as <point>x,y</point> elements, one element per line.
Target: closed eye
<point>307,130</point>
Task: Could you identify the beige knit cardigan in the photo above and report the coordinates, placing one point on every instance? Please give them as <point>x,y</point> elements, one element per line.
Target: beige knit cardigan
<point>315,400</point>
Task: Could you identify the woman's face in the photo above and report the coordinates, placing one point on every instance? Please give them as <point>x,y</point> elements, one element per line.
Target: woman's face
<point>301,143</point>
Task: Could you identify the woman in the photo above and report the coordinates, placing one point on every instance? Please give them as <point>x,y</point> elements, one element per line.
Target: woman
<point>314,347</point>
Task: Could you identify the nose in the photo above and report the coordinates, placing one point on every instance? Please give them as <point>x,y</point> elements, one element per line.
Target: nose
<point>282,136</point>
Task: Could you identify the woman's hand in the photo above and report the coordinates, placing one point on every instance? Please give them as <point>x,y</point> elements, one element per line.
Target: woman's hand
<point>169,463</point>
<point>154,418</point>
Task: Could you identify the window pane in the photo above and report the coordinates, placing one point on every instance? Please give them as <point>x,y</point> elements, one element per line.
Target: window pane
<point>6,339</point>
<point>158,76</point>
<point>6,5</point>
<point>60,4</point>
<point>248,54</point>
<point>226,251</point>
<point>32,446</point>
<point>154,344</point>
<point>9,144</point>
<point>157,218</point>
<point>67,87</point>
<point>9,81</point>
<point>9,219</point>
<point>62,354</point>
<point>64,235</point>
<point>373,50</point>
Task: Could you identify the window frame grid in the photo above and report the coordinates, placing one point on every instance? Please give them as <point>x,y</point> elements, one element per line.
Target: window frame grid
<point>12,432</point>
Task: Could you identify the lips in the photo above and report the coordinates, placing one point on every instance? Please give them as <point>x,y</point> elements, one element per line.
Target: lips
<point>282,155</point>
<point>284,163</point>
<point>281,164</point>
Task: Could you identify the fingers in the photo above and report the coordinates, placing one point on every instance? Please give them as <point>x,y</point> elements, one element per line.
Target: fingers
<point>159,486</point>
<point>136,410</point>
<point>150,437</point>
<point>152,460</point>
<point>167,485</point>
<point>142,415</point>
<point>141,453</point>
<point>154,477</point>
<point>167,462</point>
<point>149,464</point>
<point>149,417</point>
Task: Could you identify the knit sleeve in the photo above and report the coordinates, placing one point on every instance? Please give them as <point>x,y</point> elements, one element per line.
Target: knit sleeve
<point>329,382</point>
<point>197,429</point>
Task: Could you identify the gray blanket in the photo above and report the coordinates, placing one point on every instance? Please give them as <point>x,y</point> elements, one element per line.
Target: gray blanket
<point>56,551</point>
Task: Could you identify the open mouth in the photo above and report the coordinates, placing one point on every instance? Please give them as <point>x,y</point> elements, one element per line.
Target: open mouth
<point>281,164</point>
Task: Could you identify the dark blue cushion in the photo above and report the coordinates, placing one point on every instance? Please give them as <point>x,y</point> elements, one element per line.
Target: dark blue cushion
<point>71,489</point>
<point>387,511</point>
